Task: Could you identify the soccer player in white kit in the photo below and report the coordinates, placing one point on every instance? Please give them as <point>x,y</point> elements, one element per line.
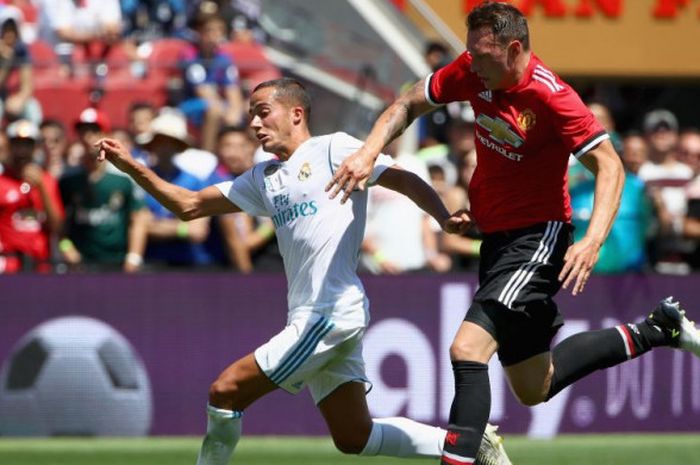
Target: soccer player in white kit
<point>319,239</point>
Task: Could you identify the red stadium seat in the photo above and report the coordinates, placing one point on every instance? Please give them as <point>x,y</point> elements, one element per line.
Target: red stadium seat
<point>166,54</point>
<point>253,65</point>
<point>42,54</point>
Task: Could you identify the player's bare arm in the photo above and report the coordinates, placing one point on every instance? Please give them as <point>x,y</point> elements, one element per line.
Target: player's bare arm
<point>581,257</point>
<point>185,204</point>
<point>413,187</point>
<point>355,169</point>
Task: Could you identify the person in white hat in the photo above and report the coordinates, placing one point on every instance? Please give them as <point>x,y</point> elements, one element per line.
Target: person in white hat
<point>173,242</point>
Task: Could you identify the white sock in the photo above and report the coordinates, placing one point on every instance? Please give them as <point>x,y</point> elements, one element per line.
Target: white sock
<point>223,432</point>
<point>401,437</point>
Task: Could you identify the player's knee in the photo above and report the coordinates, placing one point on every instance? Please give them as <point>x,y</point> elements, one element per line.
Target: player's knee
<point>465,350</point>
<point>350,445</point>
<point>222,392</point>
<point>530,397</point>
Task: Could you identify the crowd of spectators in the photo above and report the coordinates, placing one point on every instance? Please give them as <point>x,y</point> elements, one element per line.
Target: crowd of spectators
<point>60,211</point>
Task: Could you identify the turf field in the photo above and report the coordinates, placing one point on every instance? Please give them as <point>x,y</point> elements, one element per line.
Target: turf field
<point>568,450</point>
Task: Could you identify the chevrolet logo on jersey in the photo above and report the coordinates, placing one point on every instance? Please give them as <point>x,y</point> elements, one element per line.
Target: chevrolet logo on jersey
<point>499,130</point>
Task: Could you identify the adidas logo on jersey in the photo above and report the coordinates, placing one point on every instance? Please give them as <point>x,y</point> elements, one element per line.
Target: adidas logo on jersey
<point>486,95</point>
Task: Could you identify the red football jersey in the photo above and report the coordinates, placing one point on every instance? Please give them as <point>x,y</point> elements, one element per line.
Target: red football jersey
<point>524,136</point>
<point>23,220</point>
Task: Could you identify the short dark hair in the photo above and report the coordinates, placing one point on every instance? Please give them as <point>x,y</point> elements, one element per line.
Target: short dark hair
<point>52,123</point>
<point>142,105</point>
<point>434,46</point>
<point>290,91</point>
<point>505,21</point>
<point>226,130</point>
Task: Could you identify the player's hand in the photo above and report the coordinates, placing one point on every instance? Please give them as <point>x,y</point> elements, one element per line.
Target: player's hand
<point>115,152</point>
<point>457,223</point>
<point>32,174</point>
<point>579,261</point>
<point>352,173</point>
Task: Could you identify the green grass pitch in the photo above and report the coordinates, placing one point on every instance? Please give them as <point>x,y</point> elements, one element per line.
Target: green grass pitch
<point>670,449</point>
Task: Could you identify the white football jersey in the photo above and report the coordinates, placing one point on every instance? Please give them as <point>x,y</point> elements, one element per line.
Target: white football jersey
<point>319,238</point>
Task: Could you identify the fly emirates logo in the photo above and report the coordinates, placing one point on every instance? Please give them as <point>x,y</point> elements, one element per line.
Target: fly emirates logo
<point>500,134</point>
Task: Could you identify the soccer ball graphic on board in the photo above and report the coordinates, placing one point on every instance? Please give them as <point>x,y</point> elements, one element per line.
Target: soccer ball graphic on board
<point>74,376</point>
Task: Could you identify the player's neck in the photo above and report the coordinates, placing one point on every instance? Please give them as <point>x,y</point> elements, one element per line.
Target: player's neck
<point>295,142</point>
<point>521,64</point>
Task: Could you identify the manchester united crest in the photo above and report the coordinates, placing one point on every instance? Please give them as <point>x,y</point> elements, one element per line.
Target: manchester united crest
<point>526,119</point>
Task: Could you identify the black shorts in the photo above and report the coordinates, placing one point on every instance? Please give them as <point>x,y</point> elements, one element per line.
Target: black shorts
<point>518,277</point>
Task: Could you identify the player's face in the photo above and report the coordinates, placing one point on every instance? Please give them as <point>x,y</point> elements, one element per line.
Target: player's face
<point>634,153</point>
<point>492,62</point>
<point>236,151</point>
<point>272,121</point>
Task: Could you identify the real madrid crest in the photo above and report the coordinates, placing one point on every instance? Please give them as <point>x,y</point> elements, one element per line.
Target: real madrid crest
<point>526,119</point>
<point>304,172</point>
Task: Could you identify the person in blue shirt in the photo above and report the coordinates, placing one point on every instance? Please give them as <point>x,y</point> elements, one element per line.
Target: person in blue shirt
<point>212,84</point>
<point>16,88</point>
<point>171,242</point>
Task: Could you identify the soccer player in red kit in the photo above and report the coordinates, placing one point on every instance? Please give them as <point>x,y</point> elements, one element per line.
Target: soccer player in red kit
<point>528,122</point>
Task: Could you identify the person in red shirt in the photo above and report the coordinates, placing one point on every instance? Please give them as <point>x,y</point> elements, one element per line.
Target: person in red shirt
<point>30,205</point>
<point>528,123</point>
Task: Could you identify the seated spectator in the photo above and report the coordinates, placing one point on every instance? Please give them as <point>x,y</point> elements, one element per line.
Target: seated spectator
<point>410,247</point>
<point>635,152</point>
<point>31,212</point>
<point>689,150</point>
<point>460,141</point>
<point>141,115</point>
<point>54,146</point>
<point>212,86</point>
<point>666,177</point>
<point>172,242</point>
<point>16,85</point>
<point>90,120</point>
<point>145,21</point>
<point>250,241</point>
<point>242,17</point>
<point>602,114</point>
<point>432,128</point>
<point>149,20</point>
<point>95,25</point>
<point>106,218</point>
<point>625,248</point>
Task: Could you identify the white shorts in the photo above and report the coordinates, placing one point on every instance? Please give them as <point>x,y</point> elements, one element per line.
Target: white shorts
<point>314,351</point>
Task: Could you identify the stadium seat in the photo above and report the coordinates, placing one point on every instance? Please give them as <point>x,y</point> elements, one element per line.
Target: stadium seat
<point>253,66</point>
<point>166,54</point>
<point>43,55</point>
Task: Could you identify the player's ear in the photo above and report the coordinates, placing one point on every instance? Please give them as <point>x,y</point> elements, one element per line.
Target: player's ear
<point>514,49</point>
<point>297,115</point>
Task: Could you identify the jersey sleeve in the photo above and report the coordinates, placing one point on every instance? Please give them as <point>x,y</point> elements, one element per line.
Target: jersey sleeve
<point>578,129</point>
<point>244,192</point>
<point>342,145</point>
<point>453,83</point>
